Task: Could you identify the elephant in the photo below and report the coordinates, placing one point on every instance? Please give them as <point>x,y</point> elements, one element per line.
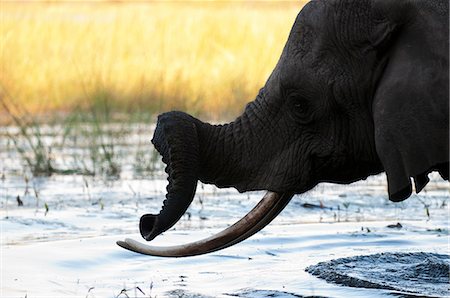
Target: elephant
<point>361,87</point>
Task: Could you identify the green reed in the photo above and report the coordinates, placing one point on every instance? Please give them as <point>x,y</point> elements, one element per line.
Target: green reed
<point>89,143</point>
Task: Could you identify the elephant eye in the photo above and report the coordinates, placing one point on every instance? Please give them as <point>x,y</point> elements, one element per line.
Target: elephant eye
<point>301,105</point>
<point>300,109</point>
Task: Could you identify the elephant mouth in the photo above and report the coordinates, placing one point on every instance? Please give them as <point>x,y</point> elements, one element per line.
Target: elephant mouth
<point>254,221</point>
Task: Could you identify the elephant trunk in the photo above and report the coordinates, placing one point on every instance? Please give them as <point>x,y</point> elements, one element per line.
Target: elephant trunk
<point>189,148</point>
<point>227,155</point>
<point>181,140</point>
<point>176,139</point>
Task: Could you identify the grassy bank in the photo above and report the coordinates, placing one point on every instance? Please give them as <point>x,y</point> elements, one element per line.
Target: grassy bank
<point>206,58</point>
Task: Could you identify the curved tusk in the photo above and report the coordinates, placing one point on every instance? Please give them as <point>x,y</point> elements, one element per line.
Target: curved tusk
<point>259,217</point>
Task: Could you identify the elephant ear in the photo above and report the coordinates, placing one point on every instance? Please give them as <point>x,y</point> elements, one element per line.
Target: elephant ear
<point>410,105</point>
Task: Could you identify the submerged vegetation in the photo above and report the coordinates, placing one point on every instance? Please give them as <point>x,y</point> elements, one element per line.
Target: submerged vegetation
<point>85,142</point>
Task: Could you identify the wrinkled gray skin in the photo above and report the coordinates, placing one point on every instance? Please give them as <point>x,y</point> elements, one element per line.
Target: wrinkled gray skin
<point>361,87</point>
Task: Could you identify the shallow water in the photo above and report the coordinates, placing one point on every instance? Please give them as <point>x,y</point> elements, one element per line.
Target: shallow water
<point>61,242</point>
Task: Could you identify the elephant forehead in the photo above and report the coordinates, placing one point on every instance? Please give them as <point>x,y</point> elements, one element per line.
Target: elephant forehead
<point>310,56</point>
<point>306,31</point>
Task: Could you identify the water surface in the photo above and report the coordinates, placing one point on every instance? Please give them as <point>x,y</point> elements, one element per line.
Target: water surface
<point>61,241</point>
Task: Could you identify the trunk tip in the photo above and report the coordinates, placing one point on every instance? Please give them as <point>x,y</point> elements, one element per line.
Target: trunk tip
<point>148,226</point>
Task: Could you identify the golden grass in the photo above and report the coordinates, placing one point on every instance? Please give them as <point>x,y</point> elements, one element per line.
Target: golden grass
<point>202,57</point>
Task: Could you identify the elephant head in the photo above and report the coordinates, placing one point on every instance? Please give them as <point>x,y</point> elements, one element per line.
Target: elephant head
<point>361,87</point>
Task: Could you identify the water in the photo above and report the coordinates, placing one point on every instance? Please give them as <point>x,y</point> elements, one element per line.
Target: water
<point>418,272</point>
<point>61,242</point>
